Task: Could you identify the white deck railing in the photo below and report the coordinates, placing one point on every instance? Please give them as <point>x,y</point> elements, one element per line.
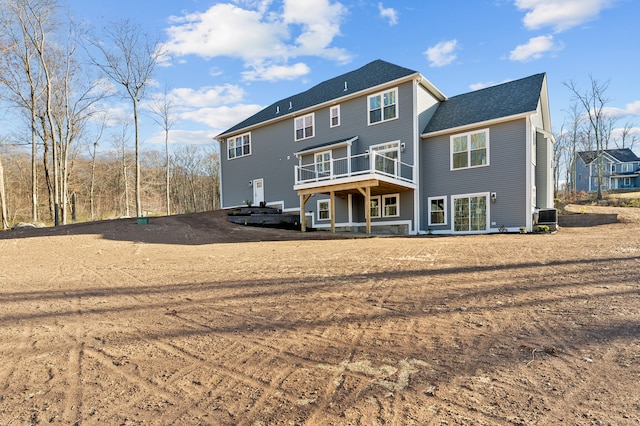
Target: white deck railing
<point>355,165</point>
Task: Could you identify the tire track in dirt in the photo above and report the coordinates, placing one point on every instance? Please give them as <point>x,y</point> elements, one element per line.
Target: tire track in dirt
<point>72,412</point>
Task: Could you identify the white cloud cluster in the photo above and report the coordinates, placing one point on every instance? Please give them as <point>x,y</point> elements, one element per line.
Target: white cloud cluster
<point>388,13</point>
<point>264,36</point>
<point>534,49</point>
<point>261,72</point>
<point>632,109</point>
<point>206,96</point>
<point>442,53</point>
<point>561,15</point>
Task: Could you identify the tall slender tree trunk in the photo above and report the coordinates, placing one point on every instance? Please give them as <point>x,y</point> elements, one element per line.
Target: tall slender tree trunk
<point>166,153</point>
<point>126,184</point>
<point>135,124</point>
<point>34,165</point>
<point>92,184</point>
<point>3,199</point>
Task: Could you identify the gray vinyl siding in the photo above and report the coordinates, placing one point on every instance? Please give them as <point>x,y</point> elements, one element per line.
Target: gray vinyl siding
<point>544,175</point>
<point>273,146</point>
<point>504,175</point>
<point>582,176</point>
<point>427,105</point>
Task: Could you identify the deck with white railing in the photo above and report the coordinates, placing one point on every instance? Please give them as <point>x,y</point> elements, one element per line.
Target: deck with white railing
<point>362,167</point>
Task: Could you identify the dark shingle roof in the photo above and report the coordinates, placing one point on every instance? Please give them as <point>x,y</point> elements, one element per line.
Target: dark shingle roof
<point>371,75</point>
<point>503,100</point>
<point>623,155</point>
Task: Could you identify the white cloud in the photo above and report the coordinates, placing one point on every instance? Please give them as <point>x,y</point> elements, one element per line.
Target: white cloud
<point>629,110</point>
<point>388,13</point>
<point>276,72</point>
<point>534,49</point>
<point>225,30</point>
<point>221,117</point>
<point>560,14</point>
<point>442,53</point>
<point>185,137</point>
<point>320,23</point>
<point>258,32</point>
<point>208,96</point>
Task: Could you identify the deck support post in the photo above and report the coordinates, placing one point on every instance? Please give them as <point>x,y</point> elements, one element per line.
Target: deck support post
<point>303,216</point>
<point>332,204</point>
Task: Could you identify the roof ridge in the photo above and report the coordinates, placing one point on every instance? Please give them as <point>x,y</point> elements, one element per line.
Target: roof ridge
<point>498,85</point>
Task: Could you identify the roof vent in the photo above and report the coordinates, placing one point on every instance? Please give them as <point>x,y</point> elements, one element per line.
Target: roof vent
<point>290,105</point>
<point>345,87</point>
<point>277,109</point>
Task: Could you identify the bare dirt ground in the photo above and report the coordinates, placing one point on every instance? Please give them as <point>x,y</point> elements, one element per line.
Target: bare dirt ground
<point>190,320</point>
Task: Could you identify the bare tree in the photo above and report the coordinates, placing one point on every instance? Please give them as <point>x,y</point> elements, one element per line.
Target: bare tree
<point>129,62</point>
<point>593,102</point>
<point>627,138</point>
<point>120,144</point>
<point>19,66</point>
<point>3,198</point>
<point>162,113</point>
<point>102,124</point>
<point>571,136</point>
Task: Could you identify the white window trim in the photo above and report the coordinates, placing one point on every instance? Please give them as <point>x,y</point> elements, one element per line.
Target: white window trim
<point>232,139</point>
<point>444,198</point>
<point>382,120</point>
<point>382,205</point>
<point>376,197</point>
<point>313,126</point>
<point>468,134</point>
<point>328,201</point>
<point>331,109</point>
<point>487,212</point>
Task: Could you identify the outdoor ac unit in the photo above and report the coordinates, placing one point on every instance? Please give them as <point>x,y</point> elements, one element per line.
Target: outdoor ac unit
<point>547,216</point>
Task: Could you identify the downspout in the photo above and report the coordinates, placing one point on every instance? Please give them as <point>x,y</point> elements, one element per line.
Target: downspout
<point>221,142</point>
<point>416,163</point>
<point>528,183</point>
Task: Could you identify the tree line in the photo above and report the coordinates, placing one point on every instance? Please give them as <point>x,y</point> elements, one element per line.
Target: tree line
<point>589,125</point>
<point>65,158</point>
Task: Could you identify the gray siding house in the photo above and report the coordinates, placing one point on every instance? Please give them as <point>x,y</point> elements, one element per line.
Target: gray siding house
<point>380,149</point>
<point>620,170</point>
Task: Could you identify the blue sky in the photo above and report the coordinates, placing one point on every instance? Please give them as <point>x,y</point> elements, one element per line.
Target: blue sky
<point>228,59</point>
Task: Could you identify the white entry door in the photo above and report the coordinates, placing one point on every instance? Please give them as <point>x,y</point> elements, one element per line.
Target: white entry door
<point>258,191</point>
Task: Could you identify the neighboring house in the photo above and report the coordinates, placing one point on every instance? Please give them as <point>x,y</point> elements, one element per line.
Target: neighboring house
<point>620,170</point>
<point>382,149</point>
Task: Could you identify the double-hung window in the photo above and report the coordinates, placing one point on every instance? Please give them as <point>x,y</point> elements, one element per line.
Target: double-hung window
<point>437,211</point>
<point>383,106</point>
<point>239,146</point>
<point>304,127</point>
<point>391,205</point>
<point>627,167</point>
<point>323,163</point>
<point>334,113</point>
<point>470,150</point>
<point>324,209</point>
<point>384,206</point>
<point>375,206</point>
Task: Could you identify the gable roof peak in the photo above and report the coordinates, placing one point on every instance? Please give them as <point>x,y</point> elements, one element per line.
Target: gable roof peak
<point>622,155</point>
<point>494,102</point>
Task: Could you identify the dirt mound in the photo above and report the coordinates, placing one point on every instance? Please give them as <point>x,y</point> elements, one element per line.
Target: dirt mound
<point>189,229</point>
